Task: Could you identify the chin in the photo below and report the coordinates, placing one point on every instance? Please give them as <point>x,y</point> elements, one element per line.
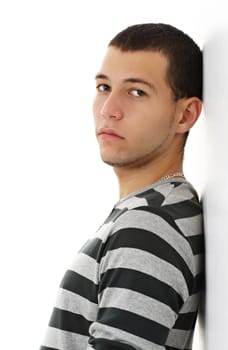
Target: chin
<point>118,164</point>
<point>108,162</point>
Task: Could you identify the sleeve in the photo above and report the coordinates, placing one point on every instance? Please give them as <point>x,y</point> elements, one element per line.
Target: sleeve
<point>144,280</point>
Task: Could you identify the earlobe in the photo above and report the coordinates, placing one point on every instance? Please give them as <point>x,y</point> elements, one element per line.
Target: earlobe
<point>190,112</point>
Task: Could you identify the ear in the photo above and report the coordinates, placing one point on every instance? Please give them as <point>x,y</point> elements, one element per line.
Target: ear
<point>190,110</point>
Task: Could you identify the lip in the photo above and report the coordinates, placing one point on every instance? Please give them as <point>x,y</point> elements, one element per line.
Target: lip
<point>107,133</point>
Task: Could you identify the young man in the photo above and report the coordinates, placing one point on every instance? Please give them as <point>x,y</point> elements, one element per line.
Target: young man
<point>136,284</point>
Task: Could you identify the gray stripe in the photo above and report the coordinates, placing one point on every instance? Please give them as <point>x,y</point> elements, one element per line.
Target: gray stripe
<point>75,303</point>
<point>63,340</point>
<point>151,222</point>
<point>147,263</point>
<point>191,305</point>
<point>104,231</point>
<point>190,226</point>
<point>98,330</point>
<point>179,339</point>
<point>165,189</point>
<point>89,347</point>
<point>139,304</point>
<point>132,202</point>
<point>85,266</point>
<point>180,193</point>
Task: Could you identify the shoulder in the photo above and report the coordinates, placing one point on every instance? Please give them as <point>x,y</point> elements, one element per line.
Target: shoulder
<point>172,203</point>
<point>164,221</point>
<point>151,229</point>
<point>145,239</point>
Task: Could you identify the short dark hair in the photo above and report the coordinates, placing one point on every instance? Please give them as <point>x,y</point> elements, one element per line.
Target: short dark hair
<point>184,56</point>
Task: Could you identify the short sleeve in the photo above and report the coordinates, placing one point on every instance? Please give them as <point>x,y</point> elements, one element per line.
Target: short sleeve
<point>145,278</point>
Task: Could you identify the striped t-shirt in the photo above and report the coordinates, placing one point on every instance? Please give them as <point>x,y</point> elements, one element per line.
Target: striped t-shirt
<point>136,283</point>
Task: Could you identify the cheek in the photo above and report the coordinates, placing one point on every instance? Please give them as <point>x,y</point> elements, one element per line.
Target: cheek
<point>149,130</point>
<point>98,105</point>
<point>96,112</point>
<point>95,107</point>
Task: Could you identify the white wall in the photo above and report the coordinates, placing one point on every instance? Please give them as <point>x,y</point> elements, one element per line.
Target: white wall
<point>216,192</point>
<point>51,174</point>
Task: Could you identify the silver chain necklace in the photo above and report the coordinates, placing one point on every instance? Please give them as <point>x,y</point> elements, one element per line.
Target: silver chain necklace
<point>170,176</point>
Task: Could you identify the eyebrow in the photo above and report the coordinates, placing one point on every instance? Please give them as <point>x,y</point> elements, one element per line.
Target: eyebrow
<point>141,81</point>
<point>101,76</point>
<point>130,80</point>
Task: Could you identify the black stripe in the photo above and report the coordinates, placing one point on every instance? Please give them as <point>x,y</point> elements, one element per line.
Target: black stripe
<point>152,243</point>
<point>197,243</point>
<point>177,184</point>
<point>78,284</point>
<point>68,321</point>
<point>105,344</point>
<point>47,348</point>
<point>199,283</point>
<point>133,324</point>
<point>186,321</point>
<point>184,209</point>
<point>153,198</point>
<point>141,283</point>
<point>93,248</point>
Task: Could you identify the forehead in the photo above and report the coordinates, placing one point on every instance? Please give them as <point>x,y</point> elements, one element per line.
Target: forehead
<point>119,64</point>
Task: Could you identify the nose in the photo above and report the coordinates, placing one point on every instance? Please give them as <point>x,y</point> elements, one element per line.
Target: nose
<point>112,107</point>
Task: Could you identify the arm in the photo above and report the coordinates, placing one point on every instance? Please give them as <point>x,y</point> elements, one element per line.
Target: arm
<point>144,281</point>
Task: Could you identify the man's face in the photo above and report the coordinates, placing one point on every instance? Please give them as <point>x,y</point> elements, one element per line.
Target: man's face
<point>135,114</point>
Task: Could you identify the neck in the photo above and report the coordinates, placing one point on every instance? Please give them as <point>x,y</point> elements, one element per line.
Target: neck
<point>134,179</point>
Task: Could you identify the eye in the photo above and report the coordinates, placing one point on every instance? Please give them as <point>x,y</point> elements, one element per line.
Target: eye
<point>137,92</point>
<point>103,87</point>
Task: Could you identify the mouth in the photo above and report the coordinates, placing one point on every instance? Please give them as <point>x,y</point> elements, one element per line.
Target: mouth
<point>109,134</point>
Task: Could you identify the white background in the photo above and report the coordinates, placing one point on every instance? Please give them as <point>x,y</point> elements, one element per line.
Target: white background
<point>54,190</point>
<point>216,190</point>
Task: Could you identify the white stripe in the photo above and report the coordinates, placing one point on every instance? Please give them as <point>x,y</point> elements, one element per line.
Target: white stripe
<point>98,330</point>
<point>75,303</point>
<point>63,340</point>
<point>139,304</point>
<point>190,226</point>
<point>154,223</point>
<point>86,266</point>
<point>147,263</point>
